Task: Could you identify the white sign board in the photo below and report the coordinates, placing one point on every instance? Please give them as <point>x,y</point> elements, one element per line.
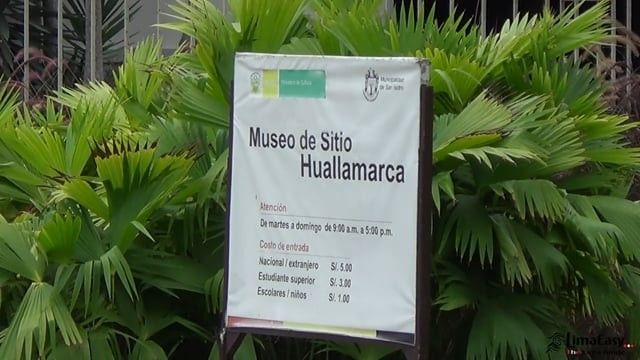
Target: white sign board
<point>323,200</point>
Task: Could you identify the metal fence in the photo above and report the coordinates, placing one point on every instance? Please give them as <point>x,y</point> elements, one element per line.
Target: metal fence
<point>94,41</point>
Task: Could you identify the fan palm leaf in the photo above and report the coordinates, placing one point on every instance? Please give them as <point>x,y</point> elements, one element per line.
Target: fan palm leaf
<point>8,102</point>
<point>41,318</point>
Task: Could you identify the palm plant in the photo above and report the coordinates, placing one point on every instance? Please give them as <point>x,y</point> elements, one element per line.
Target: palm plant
<point>112,20</point>
<point>530,194</point>
<point>84,257</point>
<point>121,223</point>
<point>43,35</point>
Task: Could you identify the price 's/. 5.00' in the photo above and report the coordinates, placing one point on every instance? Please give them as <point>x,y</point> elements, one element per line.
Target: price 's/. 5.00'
<point>342,267</point>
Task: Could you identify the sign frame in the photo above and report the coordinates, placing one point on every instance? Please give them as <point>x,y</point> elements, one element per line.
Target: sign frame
<point>231,338</point>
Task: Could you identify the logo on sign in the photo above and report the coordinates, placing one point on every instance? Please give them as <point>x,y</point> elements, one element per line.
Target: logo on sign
<point>371,85</point>
<point>576,346</point>
<point>255,82</point>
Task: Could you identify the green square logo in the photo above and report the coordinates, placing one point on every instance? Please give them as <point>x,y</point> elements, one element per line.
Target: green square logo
<point>303,83</point>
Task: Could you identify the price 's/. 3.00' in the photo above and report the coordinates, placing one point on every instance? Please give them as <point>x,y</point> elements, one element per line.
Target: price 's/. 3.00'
<point>340,282</point>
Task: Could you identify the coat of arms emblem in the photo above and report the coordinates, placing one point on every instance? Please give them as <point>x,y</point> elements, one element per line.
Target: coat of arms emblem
<point>371,82</point>
<point>255,82</point>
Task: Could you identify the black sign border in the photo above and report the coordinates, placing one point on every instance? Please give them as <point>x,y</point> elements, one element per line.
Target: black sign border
<point>230,338</point>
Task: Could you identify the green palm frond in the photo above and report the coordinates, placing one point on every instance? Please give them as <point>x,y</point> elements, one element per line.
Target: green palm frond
<point>140,80</point>
<point>513,41</point>
<point>457,76</point>
<point>356,25</point>
<point>41,318</point>
<point>514,265</point>
<point>168,272</point>
<point>99,342</point>
<point>81,192</point>
<point>574,28</point>
<point>213,291</point>
<point>74,351</point>
<point>490,156</point>
<point>19,253</point>
<point>625,215</point>
<point>97,95</point>
<point>450,128</point>
<point>568,84</point>
<point>529,112</point>
<point>303,46</point>
<point>89,275</point>
<point>597,181</point>
<point>51,116</point>
<point>261,27</point>
<point>599,237</point>
<point>90,123</point>
<point>147,349</point>
<point>20,184</point>
<point>145,319</point>
<point>190,18</point>
<point>360,351</point>
<point>513,327</point>
<point>58,237</point>
<point>534,198</point>
<point>469,234</point>
<point>562,146</point>
<point>246,350</point>
<point>265,26</point>
<point>631,279</point>
<point>114,262</point>
<point>136,183</point>
<point>616,155</point>
<point>457,289</point>
<point>208,185</point>
<point>463,142</point>
<point>408,34</point>
<point>551,265</point>
<point>172,135</point>
<point>442,181</point>
<point>8,103</point>
<point>603,298</point>
<point>601,128</point>
<point>28,144</point>
<point>195,101</point>
<point>217,40</point>
<point>457,35</point>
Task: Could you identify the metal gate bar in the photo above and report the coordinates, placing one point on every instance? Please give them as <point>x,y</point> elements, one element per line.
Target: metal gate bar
<point>125,30</point>
<point>614,30</point>
<point>629,24</point>
<point>92,41</point>
<point>60,40</point>
<point>483,17</point>
<point>25,49</point>
<point>95,32</point>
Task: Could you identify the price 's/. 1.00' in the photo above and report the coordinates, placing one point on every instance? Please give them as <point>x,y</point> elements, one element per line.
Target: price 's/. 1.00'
<point>339,298</point>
